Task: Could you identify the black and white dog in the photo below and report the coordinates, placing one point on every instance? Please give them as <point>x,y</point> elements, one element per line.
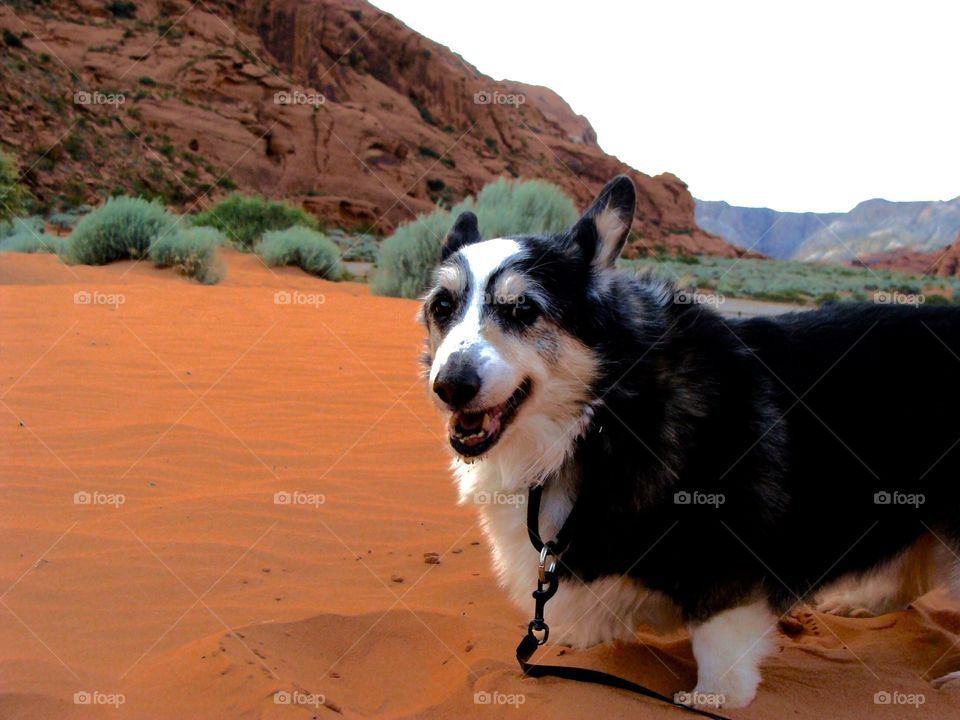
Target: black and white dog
<point>723,470</point>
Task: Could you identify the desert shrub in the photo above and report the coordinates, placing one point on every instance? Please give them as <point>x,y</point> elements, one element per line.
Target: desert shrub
<point>13,195</point>
<point>63,220</point>
<point>910,288</point>
<point>244,219</point>
<point>18,225</point>
<point>30,241</point>
<point>509,207</point>
<point>11,39</point>
<point>304,247</point>
<point>122,9</point>
<point>407,258</point>
<point>192,251</point>
<point>362,247</point>
<point>123,228</point>
<point>26,235</point>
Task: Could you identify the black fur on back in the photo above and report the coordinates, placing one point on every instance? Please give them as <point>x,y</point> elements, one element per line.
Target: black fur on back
<point>798,421</point>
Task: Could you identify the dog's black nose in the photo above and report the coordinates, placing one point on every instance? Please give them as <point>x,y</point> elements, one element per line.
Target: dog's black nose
<point>457,384</point>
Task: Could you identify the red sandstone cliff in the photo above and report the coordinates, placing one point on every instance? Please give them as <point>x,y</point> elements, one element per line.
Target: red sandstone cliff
<point>333,104</point>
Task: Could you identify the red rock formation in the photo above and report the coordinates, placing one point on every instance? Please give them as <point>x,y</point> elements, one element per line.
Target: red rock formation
<point>334,104</point>
<point>944,262</point>
<point>947,262</point>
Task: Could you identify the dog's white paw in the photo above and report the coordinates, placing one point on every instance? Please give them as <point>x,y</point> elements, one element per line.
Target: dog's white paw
<point>727,695</point>
<point>844,608</point>
<point>950,681</point>
<point>711,700</point>
<point>729,648</point>
<point>877,596</point>
<point>732,691</point>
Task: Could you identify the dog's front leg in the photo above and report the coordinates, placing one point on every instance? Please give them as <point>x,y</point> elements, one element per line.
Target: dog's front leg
<point>728,648</point>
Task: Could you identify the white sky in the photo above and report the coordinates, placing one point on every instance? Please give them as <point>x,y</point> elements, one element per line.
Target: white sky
<point>795,106</point>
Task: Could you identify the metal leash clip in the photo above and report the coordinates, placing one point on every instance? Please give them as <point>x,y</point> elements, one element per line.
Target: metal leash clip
<point>547,584</point>
<point>545,569</point>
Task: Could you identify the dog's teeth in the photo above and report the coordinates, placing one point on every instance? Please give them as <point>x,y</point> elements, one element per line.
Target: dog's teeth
<point>486,422</point>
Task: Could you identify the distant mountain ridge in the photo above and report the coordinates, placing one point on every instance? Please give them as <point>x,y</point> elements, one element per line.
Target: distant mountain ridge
<point>773,233</point>
<point>872,227</point>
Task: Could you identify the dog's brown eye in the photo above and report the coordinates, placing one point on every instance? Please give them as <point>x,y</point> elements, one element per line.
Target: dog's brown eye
<point>525,312</point>
<point>442,308</point>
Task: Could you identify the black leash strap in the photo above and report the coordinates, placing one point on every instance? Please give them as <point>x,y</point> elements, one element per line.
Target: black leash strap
<point>538,631</point>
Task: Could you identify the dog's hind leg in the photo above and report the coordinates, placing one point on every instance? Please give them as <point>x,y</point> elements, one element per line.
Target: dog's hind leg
<point>728,648</point>
<point>951,681</point>
<point>889,587</point>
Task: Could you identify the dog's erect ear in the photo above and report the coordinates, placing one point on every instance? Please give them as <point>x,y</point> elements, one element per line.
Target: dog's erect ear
<point>602,231</point>
<point>464,232</point>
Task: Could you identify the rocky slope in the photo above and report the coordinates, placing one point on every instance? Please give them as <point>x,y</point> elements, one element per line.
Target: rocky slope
<point>872,227</point>
<point>944,261</point>
<point>334,104</point>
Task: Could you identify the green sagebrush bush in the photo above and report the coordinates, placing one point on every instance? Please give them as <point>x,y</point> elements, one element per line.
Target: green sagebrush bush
<point>192,252</point>
<point>505,207</point>
<point>361,247</point>
<point>244,219</point>
<point>127,228</point>
<point>304,247</point>
<point>13,194</point>
<point>26,235</point>
<point>33,243</point>
<point>123,228</point>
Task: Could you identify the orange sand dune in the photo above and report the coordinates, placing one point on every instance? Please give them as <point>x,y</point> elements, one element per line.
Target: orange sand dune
<point>185,590</point>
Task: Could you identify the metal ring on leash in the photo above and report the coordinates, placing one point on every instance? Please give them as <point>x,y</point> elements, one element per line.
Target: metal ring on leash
<point>547,552</point>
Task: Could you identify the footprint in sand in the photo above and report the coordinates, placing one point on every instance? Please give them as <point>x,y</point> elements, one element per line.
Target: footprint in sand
<point>809,623</point>
<point>803,627</point>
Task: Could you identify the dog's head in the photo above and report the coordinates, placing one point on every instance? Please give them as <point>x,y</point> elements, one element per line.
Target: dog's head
<point>506,320</point>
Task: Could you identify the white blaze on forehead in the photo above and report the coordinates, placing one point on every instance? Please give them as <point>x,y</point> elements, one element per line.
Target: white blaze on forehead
<point>482,259</point>
<point>485,257</point>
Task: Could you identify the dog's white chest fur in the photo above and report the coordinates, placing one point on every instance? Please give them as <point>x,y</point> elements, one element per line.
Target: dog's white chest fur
<point>580,614</point>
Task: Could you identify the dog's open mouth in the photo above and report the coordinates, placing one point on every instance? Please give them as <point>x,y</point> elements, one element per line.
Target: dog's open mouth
<point>474,432</point>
